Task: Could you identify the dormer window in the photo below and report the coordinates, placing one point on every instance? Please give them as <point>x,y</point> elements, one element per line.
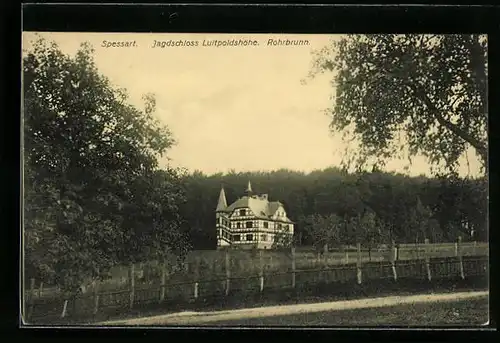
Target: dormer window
<point>242,212</point>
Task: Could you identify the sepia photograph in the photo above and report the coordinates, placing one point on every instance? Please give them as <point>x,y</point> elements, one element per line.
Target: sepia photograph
<point>254,180</point>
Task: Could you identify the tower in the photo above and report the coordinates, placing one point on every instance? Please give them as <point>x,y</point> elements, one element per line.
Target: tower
<point>249,191</point>
<point>222,203</point>
<point>223,227</point>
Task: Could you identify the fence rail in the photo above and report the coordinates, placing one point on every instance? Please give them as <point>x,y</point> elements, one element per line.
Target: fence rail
<point>244,263</point>
<point>459,267</point>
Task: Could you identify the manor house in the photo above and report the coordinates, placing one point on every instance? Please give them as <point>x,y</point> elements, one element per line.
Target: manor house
<point>252,221</point>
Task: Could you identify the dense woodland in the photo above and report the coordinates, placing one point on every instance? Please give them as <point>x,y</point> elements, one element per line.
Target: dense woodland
<point>399,207</point>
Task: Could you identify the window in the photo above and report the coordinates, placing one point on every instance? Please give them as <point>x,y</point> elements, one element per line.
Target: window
<point>236,238</point>
<point>286,228</point>
<point>242,212</point>
<point>248,225</point>
<point>266,225</point>
<point>238,225</point>
<point>249,237</point>
<point>264,238</point>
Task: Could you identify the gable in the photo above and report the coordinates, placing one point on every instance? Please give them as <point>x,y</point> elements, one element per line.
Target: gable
<point>280,212</point>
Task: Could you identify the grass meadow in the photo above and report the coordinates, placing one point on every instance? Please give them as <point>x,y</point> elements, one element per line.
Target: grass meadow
<point>468,312</point>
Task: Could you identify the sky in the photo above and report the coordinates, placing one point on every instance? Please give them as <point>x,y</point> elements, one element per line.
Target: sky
<point>238,108</point>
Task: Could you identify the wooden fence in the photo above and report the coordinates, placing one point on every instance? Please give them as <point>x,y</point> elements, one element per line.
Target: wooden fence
<point>202,284</point>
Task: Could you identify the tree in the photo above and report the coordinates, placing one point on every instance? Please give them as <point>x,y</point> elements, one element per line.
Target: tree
<point>323,230</point>
<point>430,88</point>
<point>418,221</point>
<point>436,234</point>
<point>93,194</point>
<point>369,230</point>
<point>329,191</point>
<point>282,240</point>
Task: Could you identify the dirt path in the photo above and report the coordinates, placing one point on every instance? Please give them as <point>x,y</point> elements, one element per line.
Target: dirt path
<point>193,318</point>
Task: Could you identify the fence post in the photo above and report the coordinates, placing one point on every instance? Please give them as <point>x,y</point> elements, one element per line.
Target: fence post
<point>163,280</point>
<point>196,276</point>
<point>96,297</point>
<point>318,258</point>
<point>358,264</point>
<point>394,256</point>
<point>65,306</point>
<point>24,315</point>
<point>32,296</point>
<point>32,287</point>
<point>325,262</point>
<point>416,248</point>
<point>474,249</point>
<point>293,267</point>
<point>347,255</point>
<point>261,271</point>
<point>132,284</point>
<point>427,259</point>
<point>40,289</point>
<point>459,254</point>
<point>228,271</point>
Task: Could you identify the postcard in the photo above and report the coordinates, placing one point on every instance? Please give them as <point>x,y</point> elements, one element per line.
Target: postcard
<point>254,180</point>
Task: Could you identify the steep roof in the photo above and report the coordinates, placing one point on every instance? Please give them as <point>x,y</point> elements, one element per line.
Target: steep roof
<point>249,188</point>
<point>260,207</point>
<point>222,203</point>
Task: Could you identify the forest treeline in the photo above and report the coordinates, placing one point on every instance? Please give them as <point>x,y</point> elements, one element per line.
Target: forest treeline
<point>335,207</point>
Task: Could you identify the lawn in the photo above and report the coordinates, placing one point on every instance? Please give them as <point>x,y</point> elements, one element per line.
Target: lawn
<point>470,312</point>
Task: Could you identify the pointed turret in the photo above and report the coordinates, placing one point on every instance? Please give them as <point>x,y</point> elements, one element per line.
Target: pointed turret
<point>248,191</point>
<point>222,203</point>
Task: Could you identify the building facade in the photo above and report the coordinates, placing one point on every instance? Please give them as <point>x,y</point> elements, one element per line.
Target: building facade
<point>252,221</point>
